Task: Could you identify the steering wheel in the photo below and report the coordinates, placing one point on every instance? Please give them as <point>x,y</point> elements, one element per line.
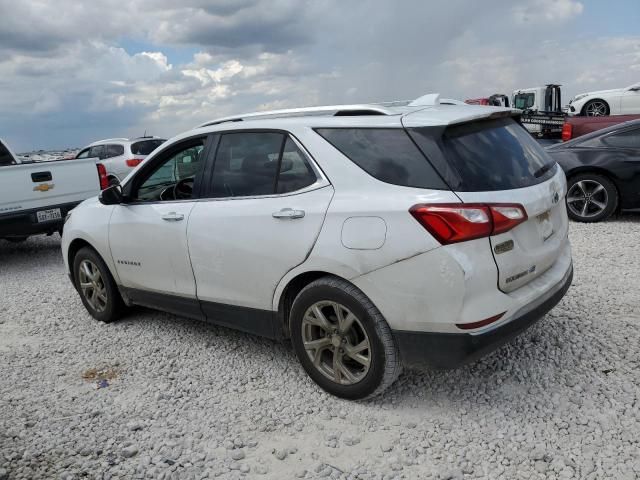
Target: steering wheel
<point>183,190</point>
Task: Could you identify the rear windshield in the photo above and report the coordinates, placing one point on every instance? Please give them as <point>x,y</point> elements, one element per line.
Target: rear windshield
<point>387,154</point>
<point>494,155</point>
<point>5,156</point>
<point>145,147</point>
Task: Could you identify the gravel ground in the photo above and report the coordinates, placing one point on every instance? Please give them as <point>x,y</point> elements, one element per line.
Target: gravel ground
<point>181,399</point>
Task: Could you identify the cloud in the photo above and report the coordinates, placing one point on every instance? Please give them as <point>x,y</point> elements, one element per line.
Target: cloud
<point>70,72</point>
<point>547,11</point>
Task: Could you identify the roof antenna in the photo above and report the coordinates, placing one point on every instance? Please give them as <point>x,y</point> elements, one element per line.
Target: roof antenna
<point>145,133</point>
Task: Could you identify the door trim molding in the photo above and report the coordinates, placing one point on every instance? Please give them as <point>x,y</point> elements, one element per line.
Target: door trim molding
<point>255,321</point>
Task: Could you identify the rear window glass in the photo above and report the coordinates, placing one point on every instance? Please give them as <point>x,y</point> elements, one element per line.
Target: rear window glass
<point>495,155</point>
<point>145,147</point>
<point>387,154</point>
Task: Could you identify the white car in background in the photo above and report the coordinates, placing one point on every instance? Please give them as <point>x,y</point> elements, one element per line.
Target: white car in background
<point>120,155</point>
<point>619,101</point>
<point>373,237</point>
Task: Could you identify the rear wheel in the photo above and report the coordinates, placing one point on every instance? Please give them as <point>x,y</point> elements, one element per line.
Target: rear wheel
<point>113,181</point>
<point>342,341</point>
<point>96,286</point>
<point>591,197</point>
<point>596,108</point>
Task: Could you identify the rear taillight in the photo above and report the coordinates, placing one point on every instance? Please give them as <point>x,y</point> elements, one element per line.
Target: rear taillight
<point>102,174</point>
<point>459,222</point>
<point>567,132</point>
<point>134,162</point>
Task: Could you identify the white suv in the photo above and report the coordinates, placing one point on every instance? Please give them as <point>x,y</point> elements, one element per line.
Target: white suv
<point>120,155</point>
<point>373,237</point>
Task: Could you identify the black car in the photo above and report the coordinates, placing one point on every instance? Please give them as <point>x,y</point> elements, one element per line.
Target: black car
<point>603,171</point>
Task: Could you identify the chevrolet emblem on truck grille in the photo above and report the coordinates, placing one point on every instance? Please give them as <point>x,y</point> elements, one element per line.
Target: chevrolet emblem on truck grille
<point>43,187</point>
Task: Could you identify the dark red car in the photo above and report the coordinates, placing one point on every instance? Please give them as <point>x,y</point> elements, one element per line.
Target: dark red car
<point>575,127</point>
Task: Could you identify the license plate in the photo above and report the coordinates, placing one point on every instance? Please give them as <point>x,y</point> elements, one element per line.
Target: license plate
<point>48,215</point>
<point>545,224</point>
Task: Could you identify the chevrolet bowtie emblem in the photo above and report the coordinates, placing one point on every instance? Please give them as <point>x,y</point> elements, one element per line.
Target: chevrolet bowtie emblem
<point>43,187</point>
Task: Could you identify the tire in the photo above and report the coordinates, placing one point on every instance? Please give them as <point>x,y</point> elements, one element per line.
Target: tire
<point>367,327</point>
<point>112,307</point>
<point>596,108</point>
<point>113,181</point>
<point>591,198</point>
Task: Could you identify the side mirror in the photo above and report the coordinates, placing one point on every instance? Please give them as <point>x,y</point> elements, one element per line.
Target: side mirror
<point>111,195</point>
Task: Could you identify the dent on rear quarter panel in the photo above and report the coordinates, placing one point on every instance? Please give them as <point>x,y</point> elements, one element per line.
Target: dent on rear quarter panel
<point>421,293</point>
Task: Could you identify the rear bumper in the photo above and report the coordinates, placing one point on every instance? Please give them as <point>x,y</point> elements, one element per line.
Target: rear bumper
<point>450,350</point>
<point>25,222</point>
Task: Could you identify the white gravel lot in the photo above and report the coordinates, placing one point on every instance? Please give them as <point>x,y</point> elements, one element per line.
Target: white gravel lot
<point>190,400</point>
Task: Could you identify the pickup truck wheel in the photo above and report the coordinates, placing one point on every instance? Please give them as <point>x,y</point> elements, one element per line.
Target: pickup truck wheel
<point>596,108</point>
<point>113,181</point>
<point>342,340</point>
<point>591,197</point>
<point>96,286</point>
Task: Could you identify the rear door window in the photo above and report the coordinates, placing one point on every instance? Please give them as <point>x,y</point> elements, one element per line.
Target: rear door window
<point>494,155</point>
<point>387,154</point>
<point>295,171</point>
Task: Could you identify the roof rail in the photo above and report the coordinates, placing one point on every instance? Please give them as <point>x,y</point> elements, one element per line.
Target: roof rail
<point>112,140</point>
<point>381,108</point>
<point>329,110</point>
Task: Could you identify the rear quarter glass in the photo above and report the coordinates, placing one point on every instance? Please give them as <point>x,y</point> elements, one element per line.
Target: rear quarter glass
<point>387,154</point>
<point>491,155</point>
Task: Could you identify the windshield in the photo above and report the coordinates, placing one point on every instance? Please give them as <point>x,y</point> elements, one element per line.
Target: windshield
<point>145,147</point>
<point>5,156</point>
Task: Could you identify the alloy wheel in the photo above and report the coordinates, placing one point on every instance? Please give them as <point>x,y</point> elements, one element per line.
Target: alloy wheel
<point>596,109</point>
<point>587,198</point>
<point>336,342</point>
<point>92,285</point>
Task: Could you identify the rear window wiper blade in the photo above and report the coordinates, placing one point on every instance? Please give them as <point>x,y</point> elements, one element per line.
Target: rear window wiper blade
<point>544,169</point>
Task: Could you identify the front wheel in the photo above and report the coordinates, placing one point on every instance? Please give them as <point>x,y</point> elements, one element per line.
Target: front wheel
<point>96,286</point>
<point>342,341</point>
<point>591,197</point>
<point>596,108</point>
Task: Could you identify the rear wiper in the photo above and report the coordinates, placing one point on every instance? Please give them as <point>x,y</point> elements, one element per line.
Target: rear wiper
<point>544,169</point>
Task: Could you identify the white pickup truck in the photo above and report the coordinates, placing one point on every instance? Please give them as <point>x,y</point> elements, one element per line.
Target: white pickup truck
<point>35,197</point>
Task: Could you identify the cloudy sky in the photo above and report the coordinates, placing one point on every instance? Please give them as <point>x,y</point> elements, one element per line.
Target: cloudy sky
<point>72,72</point>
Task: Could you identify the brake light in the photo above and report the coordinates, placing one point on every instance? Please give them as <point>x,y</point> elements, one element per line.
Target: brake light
<point>102,174</point>
<point>134,162</point>
<point>505,217</point>
<point>460,222</point>
<point>567,132</point>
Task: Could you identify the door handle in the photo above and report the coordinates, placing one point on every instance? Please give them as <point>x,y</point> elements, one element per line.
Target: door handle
<point>173,217</point>
<point>288,213</point>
